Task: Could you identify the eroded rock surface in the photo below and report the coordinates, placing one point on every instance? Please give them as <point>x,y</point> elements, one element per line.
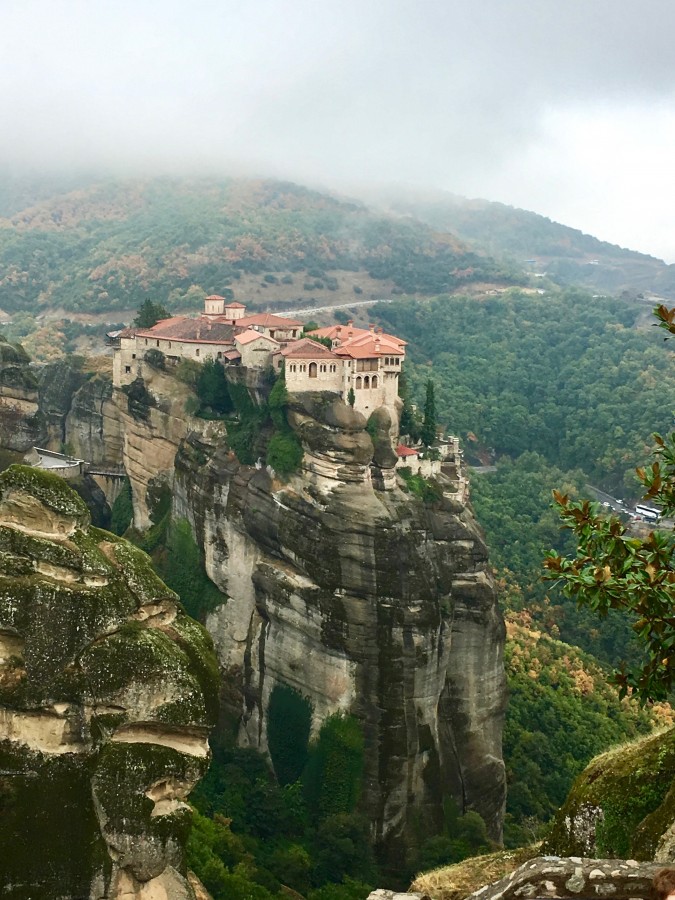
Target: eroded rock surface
<point>364,600</point>
<point>22,425</point>
<point>551,876</point>
<point>107,693</point>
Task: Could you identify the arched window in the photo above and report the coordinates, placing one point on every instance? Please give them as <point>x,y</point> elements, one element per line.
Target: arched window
<point>312,370</point>
<point>358,383</point>
<point>220,355</point>
<point>374,381</point>
<point>366,381</point>
<point>197,352</point>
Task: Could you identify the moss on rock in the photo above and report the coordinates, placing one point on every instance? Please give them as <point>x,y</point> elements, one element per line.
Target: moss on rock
<point>49,489</point>
<point>621,804</point>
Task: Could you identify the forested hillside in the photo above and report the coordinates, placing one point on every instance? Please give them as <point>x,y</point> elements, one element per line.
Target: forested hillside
<point>566,376</point>
<point>109,245</point>
<point>566,255</point>
<point>557,391</point>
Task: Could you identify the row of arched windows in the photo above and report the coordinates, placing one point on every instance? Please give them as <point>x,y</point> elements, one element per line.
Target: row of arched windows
<point>367,382</point>
<point>313,368</point>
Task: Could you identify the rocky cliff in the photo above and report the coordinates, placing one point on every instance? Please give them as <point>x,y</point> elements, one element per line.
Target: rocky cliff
<point>364,600</point>
<point>21,423</point>
<point>343,583</point>
<point>107,694</point>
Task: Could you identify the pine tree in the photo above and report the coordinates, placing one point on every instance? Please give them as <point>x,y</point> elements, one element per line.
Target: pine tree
<point>428,433</point>
<point>150,314</point>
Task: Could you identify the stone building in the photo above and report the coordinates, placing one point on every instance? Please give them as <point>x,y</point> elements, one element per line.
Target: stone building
<point>365,360</point>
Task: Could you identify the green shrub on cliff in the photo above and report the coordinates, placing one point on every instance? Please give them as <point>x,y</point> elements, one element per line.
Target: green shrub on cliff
<point>335,767</point>
<point>289,719</point>
<point>122,509</point>
<point>284,453</point>
<point>179,564</point>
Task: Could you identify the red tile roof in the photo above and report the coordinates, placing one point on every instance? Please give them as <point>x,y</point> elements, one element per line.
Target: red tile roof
<point>307,349</point>
<point>215,297</point>
<point>345,333</point>
<point>402,450</point>
<point>233,305</point>
<point>250,335</point>
<point>369,346</point>
<point>182,328</point>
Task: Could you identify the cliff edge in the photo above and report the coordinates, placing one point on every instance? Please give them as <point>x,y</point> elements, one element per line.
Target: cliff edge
<point>107,694</point>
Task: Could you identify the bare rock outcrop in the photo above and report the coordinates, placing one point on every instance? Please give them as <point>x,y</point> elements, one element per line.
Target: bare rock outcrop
<point>555,877</point>
<point>22,425</point>
<point>107,694</point>
<point>367,601</point>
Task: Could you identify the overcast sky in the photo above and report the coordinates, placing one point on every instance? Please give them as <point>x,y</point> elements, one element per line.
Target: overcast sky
<point>565,107</point>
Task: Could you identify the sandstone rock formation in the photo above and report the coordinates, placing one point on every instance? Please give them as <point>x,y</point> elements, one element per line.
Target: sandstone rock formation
<point>21,423</point>
<point>364,600</point>
<point>107,694</point>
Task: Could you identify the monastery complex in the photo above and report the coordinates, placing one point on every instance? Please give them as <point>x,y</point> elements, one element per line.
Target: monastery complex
<point>365,360</point>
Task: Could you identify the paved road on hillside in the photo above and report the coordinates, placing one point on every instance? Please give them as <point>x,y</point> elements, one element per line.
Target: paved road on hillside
<point>303,310</point>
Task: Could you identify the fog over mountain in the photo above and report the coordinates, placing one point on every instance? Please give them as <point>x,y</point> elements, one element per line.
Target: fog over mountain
<point>565,109</point>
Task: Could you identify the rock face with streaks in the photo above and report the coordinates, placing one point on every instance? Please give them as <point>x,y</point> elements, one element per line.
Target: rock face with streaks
<point>22,424</point>
<point>107,694</point>
<point>369,601</point>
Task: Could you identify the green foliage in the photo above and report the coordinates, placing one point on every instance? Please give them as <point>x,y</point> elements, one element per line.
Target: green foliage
<point>426,489</point>
<point>150,314</point>
<point>341,847</point>
<point>567,376</point>
<point>613,570</point>
<point>179,564</point>
<point>561,714</point>
<point>122,509</point>
<point>212,388</point>
<point>278,402</point>
<point>289,719</point>
<point>348,889</point>
<point>188,371</point>
<point>409,421</point>
<point>428,430</point>
<point>155,358</point>
<point>284,453</point>
<point>351,397</point>
<point>335,766</point>
<point>463,836</point>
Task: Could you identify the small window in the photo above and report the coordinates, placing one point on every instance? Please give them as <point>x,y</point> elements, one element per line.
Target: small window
<point>146,342</point>
<point>398,361</point>
<point>169,345</point>
<point>127,369</point>
<point>374,381</point>
<point>366,381</point>
<point>133,356</point>
<point>312,370</point>
<point>197,352</point>
<point>157,343</point>
<point>358,382</point>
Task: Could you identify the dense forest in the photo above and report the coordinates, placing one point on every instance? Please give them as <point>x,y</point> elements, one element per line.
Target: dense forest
<point>567,376</point>
<point>109,245</point>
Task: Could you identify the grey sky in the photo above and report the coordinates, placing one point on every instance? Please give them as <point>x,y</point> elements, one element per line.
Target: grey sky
<point>566,107</point>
